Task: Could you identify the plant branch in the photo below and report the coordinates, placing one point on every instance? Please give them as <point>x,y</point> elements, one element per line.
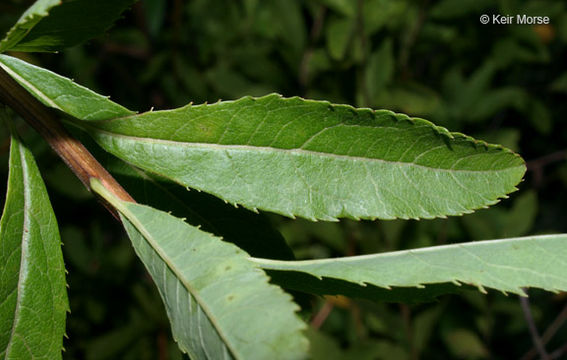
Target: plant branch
<point>536,166</point>
<point>538,343</point>
<point>322,315</point>
<point>548,333</point>
<point>45,121</point>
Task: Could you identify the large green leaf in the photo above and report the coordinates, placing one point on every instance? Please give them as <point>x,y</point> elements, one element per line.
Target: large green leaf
<point>293,156</point>
<point>313,159</point>
<point>219,303</point>
<point>33,298</point>
<point>506,265</point>
<point>51,25</point>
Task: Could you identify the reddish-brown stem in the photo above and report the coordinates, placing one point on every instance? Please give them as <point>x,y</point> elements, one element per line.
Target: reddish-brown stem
<point>45,121</point>
<point>548,334</point>
<point>322,315</point>
<point>536,339</point>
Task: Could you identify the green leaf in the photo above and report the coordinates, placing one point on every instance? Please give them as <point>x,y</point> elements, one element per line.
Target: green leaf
<point>323,346</point>
<point>338,37</point>
<point>27,21</point>
<point>326,161</point>
<point>465,344</point>
<point>33,298</point>
<point>344,7</point>
<point>220,304</point>
<point>61,93</point>
<point>52,25</point>
<point>313,159</point>
<point>506,265</point>
<point>380,68</point>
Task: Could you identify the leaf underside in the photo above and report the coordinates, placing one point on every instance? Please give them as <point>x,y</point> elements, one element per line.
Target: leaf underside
<point>315,160</point>
<point>33,298</point>
<point>217,300</point>
<point>293,156</point>
<point>507,265</point>
<point>52,25</point>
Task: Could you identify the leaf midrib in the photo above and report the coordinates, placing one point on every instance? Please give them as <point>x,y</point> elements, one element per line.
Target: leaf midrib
<point>313,267</point>
<point>395,253</point>
<point>125,212</point>
<point>286,151</point>
<point>165,258</point>
<point>21,80</point>
<point>25,241</point>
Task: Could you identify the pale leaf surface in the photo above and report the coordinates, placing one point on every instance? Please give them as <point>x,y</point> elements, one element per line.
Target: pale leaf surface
<point>221,305</point>
<point>313,159</point>
<point>507,265</point>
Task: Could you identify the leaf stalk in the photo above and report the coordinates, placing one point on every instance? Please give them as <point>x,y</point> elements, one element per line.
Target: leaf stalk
<point>46,122</point>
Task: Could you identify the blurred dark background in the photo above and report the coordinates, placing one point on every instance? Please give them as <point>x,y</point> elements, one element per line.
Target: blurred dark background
<point>505,84</point>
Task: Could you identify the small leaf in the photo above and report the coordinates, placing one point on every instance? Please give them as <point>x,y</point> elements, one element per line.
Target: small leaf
<point>339,36</point>
<point>344,7</point>
<point>52,25</point>
<point>33,298</point>
<point>323,346</point>
<point>506,265</point>
<point>61,93</point>
<point>464,344</point>
<point>220,304</point>
<point>380,68</point>
<point>27,21</point>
